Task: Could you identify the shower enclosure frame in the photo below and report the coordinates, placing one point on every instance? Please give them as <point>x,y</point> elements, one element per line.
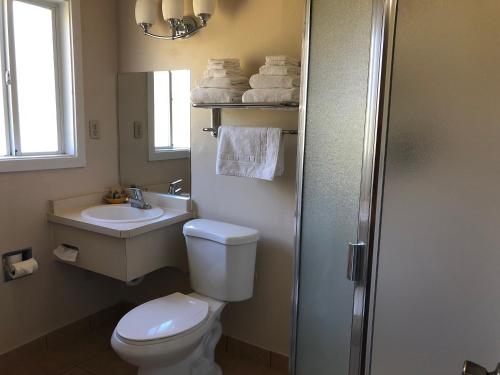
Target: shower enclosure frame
<point>378,94</point>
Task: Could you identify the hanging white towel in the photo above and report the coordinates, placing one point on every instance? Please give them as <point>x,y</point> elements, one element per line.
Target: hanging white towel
<point>271,96</point>
<point>250,152</point>
<point>202,95</point>
<point>259,81</point>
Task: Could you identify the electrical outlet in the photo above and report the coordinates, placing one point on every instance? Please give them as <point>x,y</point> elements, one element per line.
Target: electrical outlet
<point>138,131</point>
<point>94,129</point>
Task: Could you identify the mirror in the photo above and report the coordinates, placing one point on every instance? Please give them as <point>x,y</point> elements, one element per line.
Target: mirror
<point>154,117</point>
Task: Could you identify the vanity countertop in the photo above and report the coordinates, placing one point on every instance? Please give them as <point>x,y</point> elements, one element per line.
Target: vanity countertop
<point>176,209</point>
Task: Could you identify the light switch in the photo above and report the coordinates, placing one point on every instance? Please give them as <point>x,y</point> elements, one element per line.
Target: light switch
<point>138,131</point>
<point>94,129</point>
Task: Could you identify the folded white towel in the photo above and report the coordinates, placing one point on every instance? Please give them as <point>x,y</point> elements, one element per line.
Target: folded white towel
<point>224,61</point>
<point>250,152</point>
<point>282,60</point>
<point>223,64</point>
<point>240,83</point>
<point>274,70</point>
<point>271,95</point>
<point>202,95</point>
<point>221,73</point>
<point>259,81</point>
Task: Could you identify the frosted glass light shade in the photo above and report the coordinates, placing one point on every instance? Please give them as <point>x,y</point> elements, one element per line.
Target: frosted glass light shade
<point>145,11</point>
<point>173,9</point>
<point>204,7</point>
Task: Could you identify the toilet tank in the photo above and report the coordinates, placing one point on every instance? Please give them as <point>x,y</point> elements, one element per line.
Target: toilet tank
<point>221,259</point>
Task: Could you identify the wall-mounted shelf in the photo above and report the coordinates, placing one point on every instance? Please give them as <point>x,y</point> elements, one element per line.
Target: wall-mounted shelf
<point>284,105</point>
<point>217,107</point>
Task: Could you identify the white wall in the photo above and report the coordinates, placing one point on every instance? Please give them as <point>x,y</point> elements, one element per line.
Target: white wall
<point>31,307</point>
<point>249,30</point>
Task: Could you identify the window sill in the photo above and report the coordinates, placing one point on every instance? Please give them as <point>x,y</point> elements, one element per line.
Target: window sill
<point>179,153</point>
<point>37,163</point>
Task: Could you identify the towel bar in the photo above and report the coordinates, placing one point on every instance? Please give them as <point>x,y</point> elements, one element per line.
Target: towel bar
<point>217,123</point>
<point>215,131</point>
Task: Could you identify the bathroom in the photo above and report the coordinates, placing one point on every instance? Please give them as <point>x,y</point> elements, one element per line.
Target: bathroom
<point>375,249</point>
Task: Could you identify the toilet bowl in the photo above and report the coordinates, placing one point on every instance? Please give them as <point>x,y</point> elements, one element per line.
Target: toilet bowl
<point>177,334</point>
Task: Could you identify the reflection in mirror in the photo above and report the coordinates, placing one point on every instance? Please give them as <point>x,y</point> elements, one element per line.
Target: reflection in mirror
<point>154,130</point>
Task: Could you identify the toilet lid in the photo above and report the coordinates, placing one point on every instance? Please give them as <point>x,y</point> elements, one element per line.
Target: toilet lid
<point>162,318</point>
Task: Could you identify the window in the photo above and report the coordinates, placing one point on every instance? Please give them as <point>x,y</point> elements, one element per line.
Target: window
<point>169,114</point>
<point>40,101</point>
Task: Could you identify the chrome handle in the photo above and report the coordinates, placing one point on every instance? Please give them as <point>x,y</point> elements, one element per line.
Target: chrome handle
<point>471,368</point>
<point>355,257</point>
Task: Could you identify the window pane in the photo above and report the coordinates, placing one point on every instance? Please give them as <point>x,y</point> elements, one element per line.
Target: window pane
<point>36,80</point>
<point>162,109</point>
<point>181,108</point>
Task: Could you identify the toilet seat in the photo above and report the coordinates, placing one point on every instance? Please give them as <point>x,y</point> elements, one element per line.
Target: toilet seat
<point>162,319</point>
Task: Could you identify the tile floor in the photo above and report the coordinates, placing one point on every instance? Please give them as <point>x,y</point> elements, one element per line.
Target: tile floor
<point>89,353</point>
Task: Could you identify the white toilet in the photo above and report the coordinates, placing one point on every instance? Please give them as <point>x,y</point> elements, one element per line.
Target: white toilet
<point>177,334</point>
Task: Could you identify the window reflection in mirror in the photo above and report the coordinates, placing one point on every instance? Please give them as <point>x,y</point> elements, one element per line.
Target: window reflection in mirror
<point>154,115</point>
<point>169,114</point>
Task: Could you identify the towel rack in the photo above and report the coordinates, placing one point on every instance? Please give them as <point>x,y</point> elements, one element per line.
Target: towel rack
<point>216,113</point>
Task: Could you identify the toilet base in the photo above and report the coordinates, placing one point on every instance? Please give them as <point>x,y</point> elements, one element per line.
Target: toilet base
<point>200,362</point>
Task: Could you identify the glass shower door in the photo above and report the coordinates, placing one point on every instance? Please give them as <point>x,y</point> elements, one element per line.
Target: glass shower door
<point>335,117</point>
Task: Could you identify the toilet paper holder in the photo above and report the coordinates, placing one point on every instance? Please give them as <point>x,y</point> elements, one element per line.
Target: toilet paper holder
<point>25,254</point>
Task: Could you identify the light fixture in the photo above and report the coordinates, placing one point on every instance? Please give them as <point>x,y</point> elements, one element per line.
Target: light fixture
<point>181,26</point>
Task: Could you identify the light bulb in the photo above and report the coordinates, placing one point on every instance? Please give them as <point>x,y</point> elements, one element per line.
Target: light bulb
<point>146,11</point>
<point>204,7</point>
<point>173,9</point>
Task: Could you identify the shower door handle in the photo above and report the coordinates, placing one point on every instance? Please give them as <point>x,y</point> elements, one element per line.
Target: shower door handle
<point>354,261</point>
<point>471,368</point>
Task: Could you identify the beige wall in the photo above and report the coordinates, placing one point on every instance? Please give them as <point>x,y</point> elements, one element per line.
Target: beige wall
<point>31,306</point>
<point>135,167</point>
<point>249,30</point>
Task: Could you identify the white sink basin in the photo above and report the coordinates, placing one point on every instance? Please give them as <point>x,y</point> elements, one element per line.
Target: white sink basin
<point>121,213</point>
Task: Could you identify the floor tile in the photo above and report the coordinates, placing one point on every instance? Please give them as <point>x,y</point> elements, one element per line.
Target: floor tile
<point>82,350</point>
<point>108,363</point>
<point>77,371</point>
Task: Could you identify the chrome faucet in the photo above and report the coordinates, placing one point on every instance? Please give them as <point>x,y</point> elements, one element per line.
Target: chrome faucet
<point>174,188</point>
<point>136,199</point>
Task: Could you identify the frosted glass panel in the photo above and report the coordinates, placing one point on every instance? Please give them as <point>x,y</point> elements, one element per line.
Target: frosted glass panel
<point>438,287</point>
<point>340,41</point>
<point>36,80</point>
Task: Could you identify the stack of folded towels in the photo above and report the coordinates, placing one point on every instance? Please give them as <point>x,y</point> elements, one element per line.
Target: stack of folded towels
<point>278,81</point>
<point>222,82</point>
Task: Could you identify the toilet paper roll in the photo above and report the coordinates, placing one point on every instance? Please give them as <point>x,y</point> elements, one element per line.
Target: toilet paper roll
<point>21,269</point>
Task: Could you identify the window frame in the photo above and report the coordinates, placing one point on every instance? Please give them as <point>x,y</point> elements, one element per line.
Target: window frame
<point>162,153</point>
<point>69,90</point>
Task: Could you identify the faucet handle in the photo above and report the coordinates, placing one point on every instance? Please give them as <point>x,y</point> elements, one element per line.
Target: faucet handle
<point>176,182</point>
<point>136,193</point>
